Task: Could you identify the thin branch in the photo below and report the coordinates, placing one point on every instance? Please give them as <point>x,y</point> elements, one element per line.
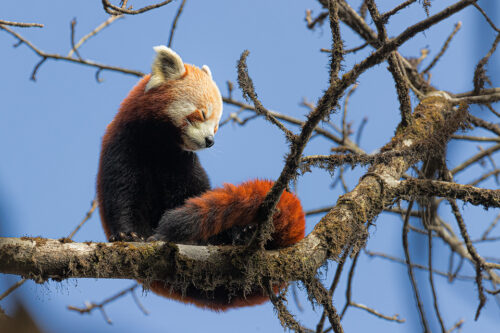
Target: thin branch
<point>345,134</point>
<point>12,288</point>
<point>417,266</point>
<point>478,261</point>
<point>311,23</point>
<point>88,215</point>
<point>486,17</point>
<point>490,227</point>
<point>246,85</point>
<point>21,24</point>
<point>485,176</point>
<point>72,39</point>
<point>426,188</point>
<point>478,122</point>
<point>54,56</point>
<point>94,32</point>
<point>431,282</point>
<point>475,158</point>
<point>476,138</point>
<point>434,61</point>
<point>480,72</point>
<point>174,23</point>
<point>457,326</point>
<point>487,96</point>
<point>378,314</point>
<point>348,143</point>
<point>331,291</point>
<point>348,290</point>
<point>89,307</point>
<point>115,10</point>
<point>409,265</point>
<point>323,297</point>
<point>285,317</point>
<point>347,51</point>
<point>385,17</point>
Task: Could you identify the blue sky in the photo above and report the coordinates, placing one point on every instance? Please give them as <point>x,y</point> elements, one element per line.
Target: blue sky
<point>50,133</point>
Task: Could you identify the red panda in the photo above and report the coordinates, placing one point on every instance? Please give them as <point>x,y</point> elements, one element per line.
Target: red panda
<point>151,185</point>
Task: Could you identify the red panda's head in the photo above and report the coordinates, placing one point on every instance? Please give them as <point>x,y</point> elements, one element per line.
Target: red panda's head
<point>194,101</point>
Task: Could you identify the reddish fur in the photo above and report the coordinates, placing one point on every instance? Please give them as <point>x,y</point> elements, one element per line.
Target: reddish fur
<point>197,298</point>
<point>222,208</point>
<point>231,205</point>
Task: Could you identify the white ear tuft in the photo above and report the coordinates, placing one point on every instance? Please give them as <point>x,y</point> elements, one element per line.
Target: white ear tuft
<point>207,70</point>
<point>166,66</point>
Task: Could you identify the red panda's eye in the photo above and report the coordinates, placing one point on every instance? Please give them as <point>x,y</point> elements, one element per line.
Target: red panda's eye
<point>204,116</point>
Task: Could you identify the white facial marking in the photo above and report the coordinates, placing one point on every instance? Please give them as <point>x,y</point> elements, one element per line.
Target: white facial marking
<point>193,133</point>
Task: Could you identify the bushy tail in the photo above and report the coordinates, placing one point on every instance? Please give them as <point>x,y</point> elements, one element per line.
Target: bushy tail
<point>222,216</point>
<point>231,211</point>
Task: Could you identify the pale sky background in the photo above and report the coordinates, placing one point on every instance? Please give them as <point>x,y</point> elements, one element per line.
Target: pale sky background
<point>50,133</point>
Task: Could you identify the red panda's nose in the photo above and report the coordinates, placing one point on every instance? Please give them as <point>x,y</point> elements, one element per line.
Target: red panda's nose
<point>209,141</point>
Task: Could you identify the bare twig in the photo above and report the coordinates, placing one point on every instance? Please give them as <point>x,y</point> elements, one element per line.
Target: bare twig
<point>55,56</point>
<point>420,307</point>
<point>490,227</point>
<point>476,138</point>
<point>72,39</point>
<point>12,288</point>
<point>431,282</point>
<point>101,26</point>
<point>434,61</point>
<point>89,307</point>
<point>88,215</point>
<point>344,114</point>
<point>486,17</point>
<point>21,24</point>
<point>417,266</point>
<point>348,143</point>
<point>378,314</point>
<point>331,291</point>
<point>318,20</point>
<point>115,10</point>
<point>385,17</point>
<point>457,325</point>
<point>174,23</point>
<point>485,176</point>
<point>478,261</point>
<point>347,51</point>
<point>478,122</point>
<point>348,290</point>
<point>475,158</point>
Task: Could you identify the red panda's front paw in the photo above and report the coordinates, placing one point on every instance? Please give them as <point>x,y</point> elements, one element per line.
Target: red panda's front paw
<point>152,239</point>
<point>126,237</point>
<point>157,237</point>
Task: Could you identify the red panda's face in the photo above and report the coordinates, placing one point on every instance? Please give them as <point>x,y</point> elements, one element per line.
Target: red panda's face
<point>198,122</point>
<point>194,101</point>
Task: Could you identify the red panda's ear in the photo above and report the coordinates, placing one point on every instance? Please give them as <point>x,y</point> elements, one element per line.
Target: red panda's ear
<point>166,66</point>
<point>207,70</point>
